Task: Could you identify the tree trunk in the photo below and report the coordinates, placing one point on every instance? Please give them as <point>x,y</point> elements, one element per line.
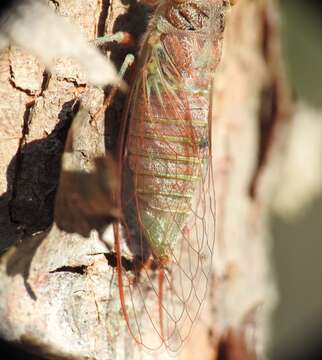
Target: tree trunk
<point>59,295</point>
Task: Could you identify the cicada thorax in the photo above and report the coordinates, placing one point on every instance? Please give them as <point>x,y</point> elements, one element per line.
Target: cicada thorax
<point>166,162</point>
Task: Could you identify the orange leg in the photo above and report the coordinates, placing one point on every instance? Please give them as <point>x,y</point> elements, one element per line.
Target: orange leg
<point>119,270</point>
<point>161,281</point>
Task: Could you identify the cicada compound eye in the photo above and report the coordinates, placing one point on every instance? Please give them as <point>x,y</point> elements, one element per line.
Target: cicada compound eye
<point>188,15</point>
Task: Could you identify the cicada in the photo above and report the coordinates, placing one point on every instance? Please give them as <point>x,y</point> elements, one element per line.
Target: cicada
<point>167,196</point>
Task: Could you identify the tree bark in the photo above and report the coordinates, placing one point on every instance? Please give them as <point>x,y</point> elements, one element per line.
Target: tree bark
<point>58,295</point>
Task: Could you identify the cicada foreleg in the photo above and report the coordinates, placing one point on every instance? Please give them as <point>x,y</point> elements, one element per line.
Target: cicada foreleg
<point>127,63</point>
<point>122,38</point>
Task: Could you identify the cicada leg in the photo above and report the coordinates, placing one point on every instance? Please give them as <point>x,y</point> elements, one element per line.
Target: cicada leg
<point>139,265</point>
<point>126,39</point>
<point>127,63</point>
<point>123,38</point>
<point>117,236</point>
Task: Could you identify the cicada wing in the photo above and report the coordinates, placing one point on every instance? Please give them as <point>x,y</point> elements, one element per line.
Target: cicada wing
<point>168,205</point>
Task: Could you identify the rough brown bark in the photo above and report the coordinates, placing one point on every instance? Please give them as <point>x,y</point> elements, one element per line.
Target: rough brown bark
<point>58,294</point>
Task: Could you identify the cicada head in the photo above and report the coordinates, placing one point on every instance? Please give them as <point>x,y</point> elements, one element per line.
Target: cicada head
<point>205,19</point>
<point>197,15</point>
<point>190,15</point>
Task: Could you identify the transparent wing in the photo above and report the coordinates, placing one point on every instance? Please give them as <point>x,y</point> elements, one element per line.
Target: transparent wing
<point>168,196</point>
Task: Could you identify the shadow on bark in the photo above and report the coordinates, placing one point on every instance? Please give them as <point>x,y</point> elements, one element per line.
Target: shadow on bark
<point>32,179</point>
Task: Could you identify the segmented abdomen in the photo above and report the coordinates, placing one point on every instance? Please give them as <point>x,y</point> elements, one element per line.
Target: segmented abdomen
<point>168,149</point>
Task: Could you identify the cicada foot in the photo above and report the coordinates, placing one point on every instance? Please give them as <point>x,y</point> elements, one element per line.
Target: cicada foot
<point>121,37</point>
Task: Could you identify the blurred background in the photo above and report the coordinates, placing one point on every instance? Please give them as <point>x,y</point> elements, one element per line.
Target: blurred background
<point>297,238</point>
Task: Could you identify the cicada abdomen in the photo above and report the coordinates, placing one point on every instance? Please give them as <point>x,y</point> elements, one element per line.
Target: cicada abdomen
<point>167,192</point>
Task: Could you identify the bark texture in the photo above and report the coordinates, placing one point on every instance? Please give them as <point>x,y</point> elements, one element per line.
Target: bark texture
<point>58,294</point>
